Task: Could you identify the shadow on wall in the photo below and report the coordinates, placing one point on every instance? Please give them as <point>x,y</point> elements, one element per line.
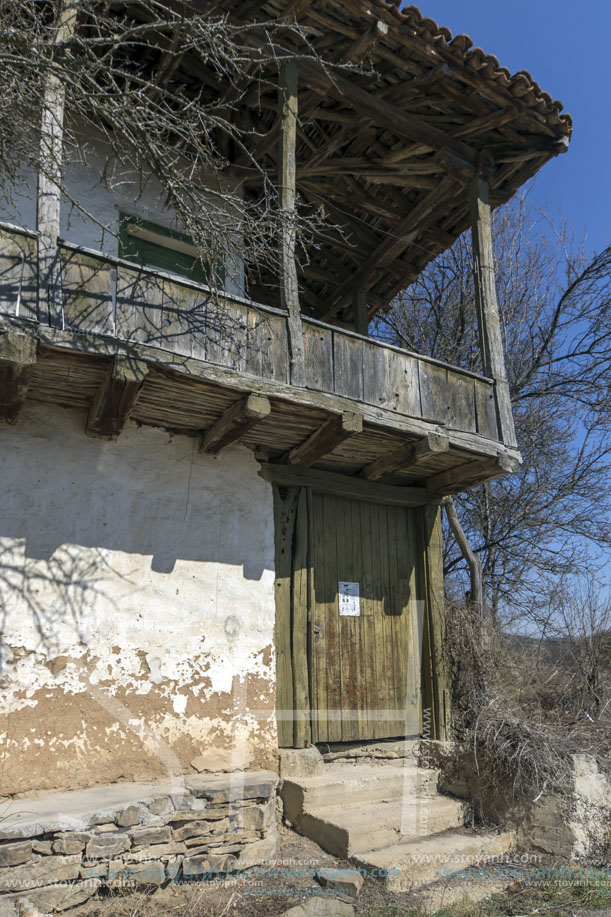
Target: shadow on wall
<point>147,494</point>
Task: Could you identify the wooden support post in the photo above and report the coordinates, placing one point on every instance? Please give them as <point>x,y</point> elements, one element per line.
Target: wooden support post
<point>437,680</point>
<point>236,421</point>
<point>332,432</point>
<point>471,474</point>
<point>17,362</point>
<point>116,397</point>
<point>359,312</point>
<point>491,342</point>
<point>287,178</point>
<point>49,183</point>
<point>473,560</point>
<point>410,457</point>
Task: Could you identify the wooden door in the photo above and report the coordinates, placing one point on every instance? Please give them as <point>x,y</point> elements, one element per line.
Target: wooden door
<point>365,624</point>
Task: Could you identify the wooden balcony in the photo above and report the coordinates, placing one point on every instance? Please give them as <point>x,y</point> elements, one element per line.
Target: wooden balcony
<point>123,341</point>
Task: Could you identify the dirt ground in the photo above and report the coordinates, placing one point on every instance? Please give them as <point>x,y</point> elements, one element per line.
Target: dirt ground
<point>272,895</point>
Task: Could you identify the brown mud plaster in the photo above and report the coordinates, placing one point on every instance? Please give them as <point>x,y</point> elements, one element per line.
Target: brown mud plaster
<point>65,740</point>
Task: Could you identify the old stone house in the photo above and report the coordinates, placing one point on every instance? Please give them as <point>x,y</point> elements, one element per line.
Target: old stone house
<point>222,538</point>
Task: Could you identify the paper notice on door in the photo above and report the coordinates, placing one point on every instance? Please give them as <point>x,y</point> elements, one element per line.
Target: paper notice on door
<point>349,599</point>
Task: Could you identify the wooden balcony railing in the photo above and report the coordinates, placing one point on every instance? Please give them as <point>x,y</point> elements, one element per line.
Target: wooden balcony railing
<point>114,300</point>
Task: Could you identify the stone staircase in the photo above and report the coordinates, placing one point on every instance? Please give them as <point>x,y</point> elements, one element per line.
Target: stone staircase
<point>375,806</point>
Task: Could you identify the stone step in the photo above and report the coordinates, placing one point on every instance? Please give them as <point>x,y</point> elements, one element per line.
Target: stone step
<point>452,859</point>
<point>381,750</point>
<point>347,831</point>
<point>349,784</point>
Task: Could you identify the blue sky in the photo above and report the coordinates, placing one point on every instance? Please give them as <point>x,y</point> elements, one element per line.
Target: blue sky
<point>565,47</point>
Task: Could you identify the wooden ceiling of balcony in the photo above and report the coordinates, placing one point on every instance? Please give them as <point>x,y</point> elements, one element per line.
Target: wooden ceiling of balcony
<point>181,403</point>
<point>387,151</point>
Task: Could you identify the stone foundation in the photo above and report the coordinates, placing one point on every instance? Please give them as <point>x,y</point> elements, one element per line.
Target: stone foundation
<point>56,851</point>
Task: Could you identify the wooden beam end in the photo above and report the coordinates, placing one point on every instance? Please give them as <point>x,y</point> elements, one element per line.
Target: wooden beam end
<point>17,362</point>
<point>116,397</point>
<point>329,435</point>
<point>257,407</point>
<point>234,422</point>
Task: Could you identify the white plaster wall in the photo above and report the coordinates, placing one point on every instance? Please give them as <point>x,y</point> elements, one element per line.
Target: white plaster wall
<point>122,192</point>
<point>137,587</point>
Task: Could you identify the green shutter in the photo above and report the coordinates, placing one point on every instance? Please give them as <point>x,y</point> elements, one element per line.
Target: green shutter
<point>155,254</point>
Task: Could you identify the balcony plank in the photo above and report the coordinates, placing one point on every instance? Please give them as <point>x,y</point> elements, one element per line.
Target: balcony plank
<point>318,345</point>
<point>18,275</point>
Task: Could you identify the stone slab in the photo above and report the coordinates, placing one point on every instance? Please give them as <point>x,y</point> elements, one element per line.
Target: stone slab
<point>233,787</point>
<point>72,811</point>
<point>300,762</point>
<point>348,881</point>
<point>43,871</point>
<point>318,906</point>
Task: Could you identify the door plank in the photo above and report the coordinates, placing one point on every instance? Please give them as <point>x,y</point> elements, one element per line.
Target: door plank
<point>377,619</point>
<point>284,520</point>
<point>301,574</point>
<point>368,649</point>
<point>387,694</point>
<point>332,629</point>
<point>417,616</point>
<point>360,680</point>
<point>347,645</point>
<point>318,636</point>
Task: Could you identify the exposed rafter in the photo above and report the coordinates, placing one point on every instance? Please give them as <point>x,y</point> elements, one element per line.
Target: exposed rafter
<point>331,434</point>
<point>390,116</point>
<point>409,228</point>
<point>471,474</point>
<point>116,397</point>
<point>363,45</point>
<point>235,422</point>
<point>409,457</point>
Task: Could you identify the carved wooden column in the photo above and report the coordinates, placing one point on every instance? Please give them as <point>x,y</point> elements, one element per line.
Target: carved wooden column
<point>49,182</point>
<point>491,341</point>
<point>288,197</point>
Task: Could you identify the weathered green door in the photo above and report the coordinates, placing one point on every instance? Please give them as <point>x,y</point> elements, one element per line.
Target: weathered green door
<point>364,622</point>
<point>360,644</point>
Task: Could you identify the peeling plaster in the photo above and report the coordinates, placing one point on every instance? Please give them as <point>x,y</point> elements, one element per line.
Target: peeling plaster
<point>136,573</point>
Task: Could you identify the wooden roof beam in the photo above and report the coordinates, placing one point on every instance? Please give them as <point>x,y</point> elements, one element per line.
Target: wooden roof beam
<point>341,485</point>
<point>410,457</point>
<point>391,247</point>
<point>355,198</point>
<point>235,422</point>
<point>308,102</point>
<point>297,8</point>
<point>116,397</point>
<point>331,434</point>
<point>363,45</point>
<point>17,362</point>
<point>456,154</point>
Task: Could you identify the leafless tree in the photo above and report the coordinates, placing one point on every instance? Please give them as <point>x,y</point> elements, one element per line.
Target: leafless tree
<point>168,92</point>
<point>555,304</point>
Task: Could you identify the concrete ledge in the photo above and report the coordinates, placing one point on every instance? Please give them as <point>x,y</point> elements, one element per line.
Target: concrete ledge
<point>58,850</point>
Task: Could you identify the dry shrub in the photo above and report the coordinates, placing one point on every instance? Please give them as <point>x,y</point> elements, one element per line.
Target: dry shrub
<point>524,706</point>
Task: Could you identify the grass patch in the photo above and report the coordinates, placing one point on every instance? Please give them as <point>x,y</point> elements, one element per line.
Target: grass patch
<point>589,889</point>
